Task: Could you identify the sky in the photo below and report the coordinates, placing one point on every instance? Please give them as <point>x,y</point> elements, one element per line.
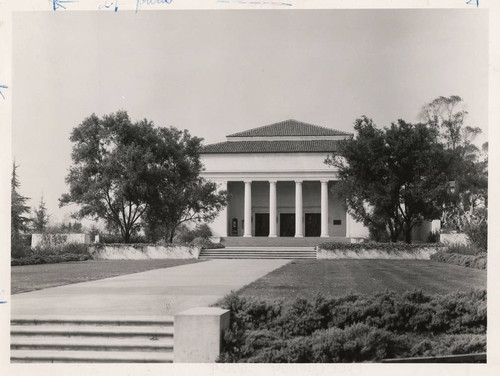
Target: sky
<point>219,72</point>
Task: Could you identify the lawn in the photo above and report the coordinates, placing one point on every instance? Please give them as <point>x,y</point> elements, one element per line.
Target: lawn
<point>35,277</point>
<point>335,278</point>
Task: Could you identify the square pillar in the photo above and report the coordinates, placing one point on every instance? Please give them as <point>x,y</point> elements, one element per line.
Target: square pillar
<point>324,209</point>
<point>198,333</point>
<point>272,208</point>
<point>247,231</point>
<point>299,233</point>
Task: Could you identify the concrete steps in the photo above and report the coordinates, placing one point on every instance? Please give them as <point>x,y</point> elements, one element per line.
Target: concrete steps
<point>259,253</point>
<point>71,340</point>
<point>234,241</point>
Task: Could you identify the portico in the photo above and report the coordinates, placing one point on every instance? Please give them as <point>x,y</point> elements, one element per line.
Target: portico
<point>278,183</point>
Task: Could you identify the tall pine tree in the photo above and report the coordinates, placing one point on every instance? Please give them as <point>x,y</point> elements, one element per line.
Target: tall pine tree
<point>18,210</point>
<point>41,218</point>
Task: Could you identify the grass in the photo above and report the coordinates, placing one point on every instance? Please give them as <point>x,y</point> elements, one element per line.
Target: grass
<point>35,277</point>
<point>333,278</point>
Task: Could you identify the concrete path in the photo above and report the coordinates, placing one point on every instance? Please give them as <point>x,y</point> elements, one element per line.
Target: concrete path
<point>153,293</point>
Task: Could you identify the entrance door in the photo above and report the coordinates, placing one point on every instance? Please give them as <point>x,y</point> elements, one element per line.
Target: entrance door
<point>313,224</point>
<point>261,224</point>
<point>287,224</point>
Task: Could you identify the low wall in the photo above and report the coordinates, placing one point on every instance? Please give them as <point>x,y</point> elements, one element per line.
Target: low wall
<point>418,254</point>
<point>55,239</point>
<point>142,252</point>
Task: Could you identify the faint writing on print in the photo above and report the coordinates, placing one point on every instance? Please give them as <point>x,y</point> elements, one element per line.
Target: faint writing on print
<point>108,4</point>
<point>140,3</point>
<point>61,4</point>
<point>3,87</point>
<point>472,2</point>
<point>255,2</point>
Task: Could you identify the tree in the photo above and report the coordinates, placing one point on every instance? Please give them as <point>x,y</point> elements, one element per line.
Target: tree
<point>126,173</point>
<point>18,210</point>
<point>107,180</point>
<point>41,218</point>
<point>178,193</point>
<point>393,178</point>
<point>469,172</point>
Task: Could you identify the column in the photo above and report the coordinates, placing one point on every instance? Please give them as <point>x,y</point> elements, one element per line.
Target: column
<point>298,209</point>
<point>347,224</point>
<point>324,209</point>
<point>247,232</point>
<point>219,225</point>
<point>272,208</point>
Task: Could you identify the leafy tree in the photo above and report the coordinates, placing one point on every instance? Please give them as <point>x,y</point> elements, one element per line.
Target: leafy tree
<point>393,178</point>
<point>110,165</point>
<point>41,218</point>
<point>469,172</point>
<point>126,172</point>
<point>178,193</point>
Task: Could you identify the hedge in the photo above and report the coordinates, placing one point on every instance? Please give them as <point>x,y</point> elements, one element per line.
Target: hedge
<point>471,261</point>
<point>388,247</point>
<point>355,327</point>
<point>49,259</point>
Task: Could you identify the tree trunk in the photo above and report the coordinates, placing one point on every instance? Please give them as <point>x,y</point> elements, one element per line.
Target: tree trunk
<point>407,232</point>
<point>126,237</point>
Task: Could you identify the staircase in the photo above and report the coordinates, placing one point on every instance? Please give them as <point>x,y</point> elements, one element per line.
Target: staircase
<point>258,253</point>
<point>264,241</point>
<point>72,340</point>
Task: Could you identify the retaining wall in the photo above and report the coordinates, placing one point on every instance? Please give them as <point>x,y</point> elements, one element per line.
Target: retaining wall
<point>142,252</point>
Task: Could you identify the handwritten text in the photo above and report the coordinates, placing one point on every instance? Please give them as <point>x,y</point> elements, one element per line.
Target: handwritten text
<point>140,3</point>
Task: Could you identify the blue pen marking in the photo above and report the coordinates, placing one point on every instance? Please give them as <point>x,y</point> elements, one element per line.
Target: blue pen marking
<point>108,5</point>
<point>3,87</point>
<point>56,4</point>
<point>469,2</point>
<point>150,2</point>
<point>3,302</point>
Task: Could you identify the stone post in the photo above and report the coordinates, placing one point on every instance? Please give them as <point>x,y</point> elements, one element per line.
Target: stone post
<point>198,333</point>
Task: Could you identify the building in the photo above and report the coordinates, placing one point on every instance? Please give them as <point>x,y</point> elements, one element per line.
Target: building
<point>278,183</point>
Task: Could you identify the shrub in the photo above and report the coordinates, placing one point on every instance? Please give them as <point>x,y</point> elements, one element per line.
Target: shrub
<point>354,327</point>
<point>118,239</point>
<point>454,344</point>
<point>186,235</point>
<point>388,247</point>
<point>206,243</point>
<point>49,259</point>
<point>471,261</point>
<point>433,237</point>
<point>462,249</point>
<point>61,249</point>
<point>478,235</point>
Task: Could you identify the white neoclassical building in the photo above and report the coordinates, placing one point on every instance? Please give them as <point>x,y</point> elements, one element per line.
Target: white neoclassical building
<point>278,183</point>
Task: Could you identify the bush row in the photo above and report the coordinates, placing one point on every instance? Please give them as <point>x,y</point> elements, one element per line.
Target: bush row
<point>68,248</point>
<point>356,343</point>
<point>49,259</point>
<point>471,261</point>
<point>389,247</point>
<point>350,328</point>
<point>463,249</point>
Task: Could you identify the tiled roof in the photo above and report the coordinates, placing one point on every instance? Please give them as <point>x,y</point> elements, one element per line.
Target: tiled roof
<point>311,146</point>
<point>289,128</point>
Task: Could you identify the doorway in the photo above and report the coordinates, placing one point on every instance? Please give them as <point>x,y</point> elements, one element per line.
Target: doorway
<point>261,224</point>
<point>287,224</point>
<point>313,224</point>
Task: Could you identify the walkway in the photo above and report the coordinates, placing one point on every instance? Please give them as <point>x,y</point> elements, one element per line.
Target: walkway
<point>153,293</point>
